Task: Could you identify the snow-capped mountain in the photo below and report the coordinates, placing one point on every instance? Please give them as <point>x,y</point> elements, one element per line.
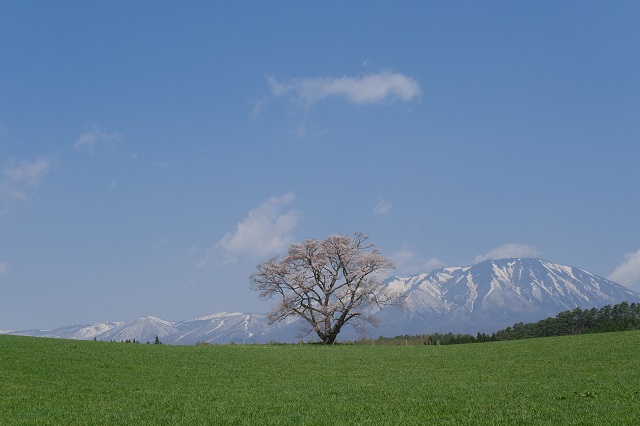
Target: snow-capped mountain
<point>143,330</point>
<point>495,294</point>
<point>484,297</point>
<point>222,327</point>
<point>234,327</point>
<point>77,332</point>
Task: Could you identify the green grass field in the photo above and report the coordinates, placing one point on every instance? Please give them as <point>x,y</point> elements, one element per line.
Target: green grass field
<point>588,379</point>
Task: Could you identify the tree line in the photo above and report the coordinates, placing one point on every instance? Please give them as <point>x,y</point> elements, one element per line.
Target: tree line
<point>156,342</point>
<point>621,317</point>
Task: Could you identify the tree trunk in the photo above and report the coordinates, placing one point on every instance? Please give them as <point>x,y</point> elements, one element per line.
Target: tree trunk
<point>330,338</point>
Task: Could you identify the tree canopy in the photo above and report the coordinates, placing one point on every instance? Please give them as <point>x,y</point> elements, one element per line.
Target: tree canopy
<point>329,283</point>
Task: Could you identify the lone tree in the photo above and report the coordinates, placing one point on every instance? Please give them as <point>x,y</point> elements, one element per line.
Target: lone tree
<point>328,283</point>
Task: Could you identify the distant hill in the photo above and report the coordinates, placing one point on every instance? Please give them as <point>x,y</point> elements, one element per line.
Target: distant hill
<point>483,297</point>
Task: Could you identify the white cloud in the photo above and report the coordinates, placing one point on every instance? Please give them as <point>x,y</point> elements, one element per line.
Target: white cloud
<point>628,273</point>
<point>29,172</point>
<point>382,206</point>
<point>433,264</point>
<point>95,135</point>
<point>4,267</point>
<point>19,177</point>
<point>402,258</point>
<point>361,90</point>
<point>409,263</point>
<point>512,250</point>
<point>266,230</point>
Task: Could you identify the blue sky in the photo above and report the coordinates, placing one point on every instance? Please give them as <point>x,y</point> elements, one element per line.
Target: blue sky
<point>152,153</point>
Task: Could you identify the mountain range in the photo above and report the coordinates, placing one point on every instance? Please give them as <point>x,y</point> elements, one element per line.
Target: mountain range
<point>483,297</point>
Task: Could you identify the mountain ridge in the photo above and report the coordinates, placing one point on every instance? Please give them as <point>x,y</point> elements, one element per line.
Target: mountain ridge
<point>483,297</point>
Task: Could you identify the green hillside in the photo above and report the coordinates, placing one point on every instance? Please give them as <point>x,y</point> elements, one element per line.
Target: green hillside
<point>586,379</point>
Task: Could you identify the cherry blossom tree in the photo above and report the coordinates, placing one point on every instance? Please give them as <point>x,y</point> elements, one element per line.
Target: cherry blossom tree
<point>327,283</point>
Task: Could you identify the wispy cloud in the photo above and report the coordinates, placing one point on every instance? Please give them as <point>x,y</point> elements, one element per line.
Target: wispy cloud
<point>88,140</point>
<point>509,251</point>
<point>159,244</point>
<point>307,130</point>
<point>4,267</point>
<point>29,172</point>
<point>382,206</point>
<point>162,165</point>
<point>266,230</point>
<point>258,106</point>
<point>361,90</point>
<point>20,177</point>
<point>628,273</point>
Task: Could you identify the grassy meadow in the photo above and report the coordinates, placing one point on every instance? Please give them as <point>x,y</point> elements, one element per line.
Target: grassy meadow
<point>587,379</point>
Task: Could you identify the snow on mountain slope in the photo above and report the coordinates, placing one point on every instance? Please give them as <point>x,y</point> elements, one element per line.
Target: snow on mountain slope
<point>143,330</point>
<point>494,294</point>
<point>484,297</point>
<point>78,332</point>
<point>234,327</point>
<point>221,327</point>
